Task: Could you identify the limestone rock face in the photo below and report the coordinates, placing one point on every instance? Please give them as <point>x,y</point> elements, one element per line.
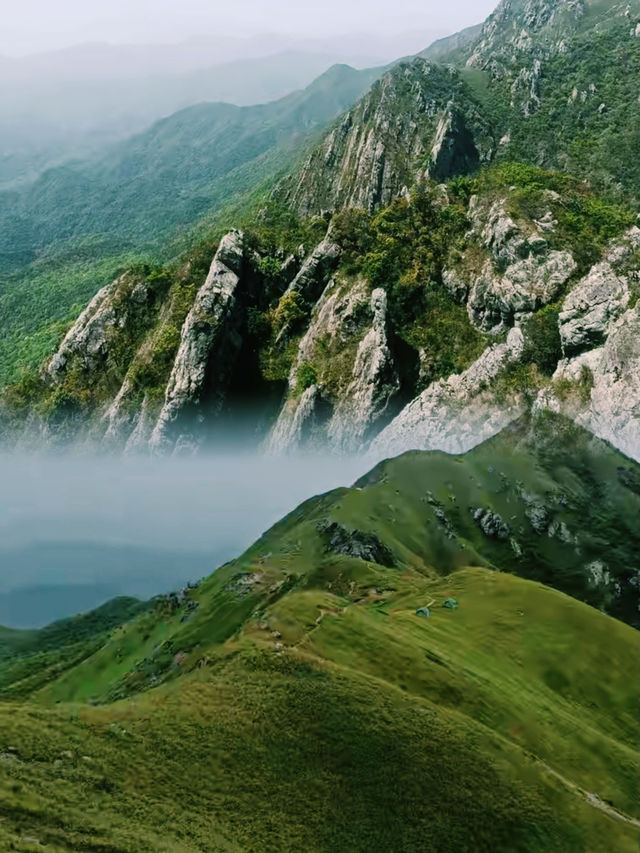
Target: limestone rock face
<point>513,27</point>
<point>526,286</point>
<point>352,394</point>
<point>298,421</point>
<point>209,343</point>
<point>521,275</point>
<point>606,400</point>
<point>457,413</point>
<point>119,420</point>
<point>415,112</point>
<point>316,270</point>
<point>454,149</point>
<point>374,384</point>
<point>591,308</point>
<point>88,340</point>
<point>336,318</point>
<point>161,363</point>
<point>598,382</point>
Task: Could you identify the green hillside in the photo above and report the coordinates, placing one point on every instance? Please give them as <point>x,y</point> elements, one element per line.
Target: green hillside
<point>303,699</point>
<point>166,177</point>
<point>47,121</point>
<point>71,231</point>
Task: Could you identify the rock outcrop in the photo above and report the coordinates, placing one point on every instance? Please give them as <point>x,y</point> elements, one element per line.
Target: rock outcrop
<point>326,361</point>
<point>356,544</point>
<point>522,275</point>
<point>600,388</point>
<point>496,301</point>
<point>346,346</point>
<point>598,382</point>
<point>89,341</point>
<point>209,344</point>
<point>591,308</point>
<point>374,384</point>
<point>417,112</point>
<point>336,318</point>
<point>316,271</point>
<point>491,524</point>
<point>457,413</point>
<point>454,149</point>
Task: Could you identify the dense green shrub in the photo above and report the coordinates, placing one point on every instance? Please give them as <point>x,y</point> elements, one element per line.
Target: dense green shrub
<point>542,339</point>
<point>307,376</point>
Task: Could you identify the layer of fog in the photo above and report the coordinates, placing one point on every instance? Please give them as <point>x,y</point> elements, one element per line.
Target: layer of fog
<point>75,532</point>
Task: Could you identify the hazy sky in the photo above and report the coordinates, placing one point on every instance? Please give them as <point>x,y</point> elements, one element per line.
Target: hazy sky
<point>35,25</point>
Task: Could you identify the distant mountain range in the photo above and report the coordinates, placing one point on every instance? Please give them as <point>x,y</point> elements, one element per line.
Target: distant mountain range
<point>102,61</point>
<point>48,119</point>
<point>69,103</point>
<point>48,581</point>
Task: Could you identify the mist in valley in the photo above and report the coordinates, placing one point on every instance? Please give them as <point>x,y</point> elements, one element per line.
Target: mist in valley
<point>78,531</point>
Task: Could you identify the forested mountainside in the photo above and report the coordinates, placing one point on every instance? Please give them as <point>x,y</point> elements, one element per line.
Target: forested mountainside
<point>382,666</point>
<point>51,115</point>
<point>146,187</point>
<point>408,285</point>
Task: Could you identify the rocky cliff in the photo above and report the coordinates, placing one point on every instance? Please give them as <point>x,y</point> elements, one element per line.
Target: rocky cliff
<point>431,325</point>
<point>534,84</point>
<point>419,119</point>
<point>407,285</point>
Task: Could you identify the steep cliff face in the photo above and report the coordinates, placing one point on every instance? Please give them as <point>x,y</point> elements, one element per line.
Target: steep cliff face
<point>210,342</point>
<point>346,363</point>
<point>458,413</point>
<point>535,27</point>
<point>578,355</point>
<point>438,291</point>
<point>419,119</point>
<point>598,381</point>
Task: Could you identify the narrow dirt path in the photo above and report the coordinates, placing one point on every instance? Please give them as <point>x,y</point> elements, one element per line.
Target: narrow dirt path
<point>593,799</point>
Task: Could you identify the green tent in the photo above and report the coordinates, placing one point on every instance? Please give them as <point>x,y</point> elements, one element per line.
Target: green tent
<point>451,604</point>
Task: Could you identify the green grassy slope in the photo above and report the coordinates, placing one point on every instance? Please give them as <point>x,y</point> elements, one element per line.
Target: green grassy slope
<point>29,659</point>
<point>299,702</point>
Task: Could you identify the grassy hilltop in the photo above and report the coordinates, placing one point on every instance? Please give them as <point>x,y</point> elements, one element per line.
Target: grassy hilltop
<point>296,700</point>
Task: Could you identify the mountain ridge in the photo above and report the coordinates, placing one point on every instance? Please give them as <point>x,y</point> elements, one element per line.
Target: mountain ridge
<point>234,671</point>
